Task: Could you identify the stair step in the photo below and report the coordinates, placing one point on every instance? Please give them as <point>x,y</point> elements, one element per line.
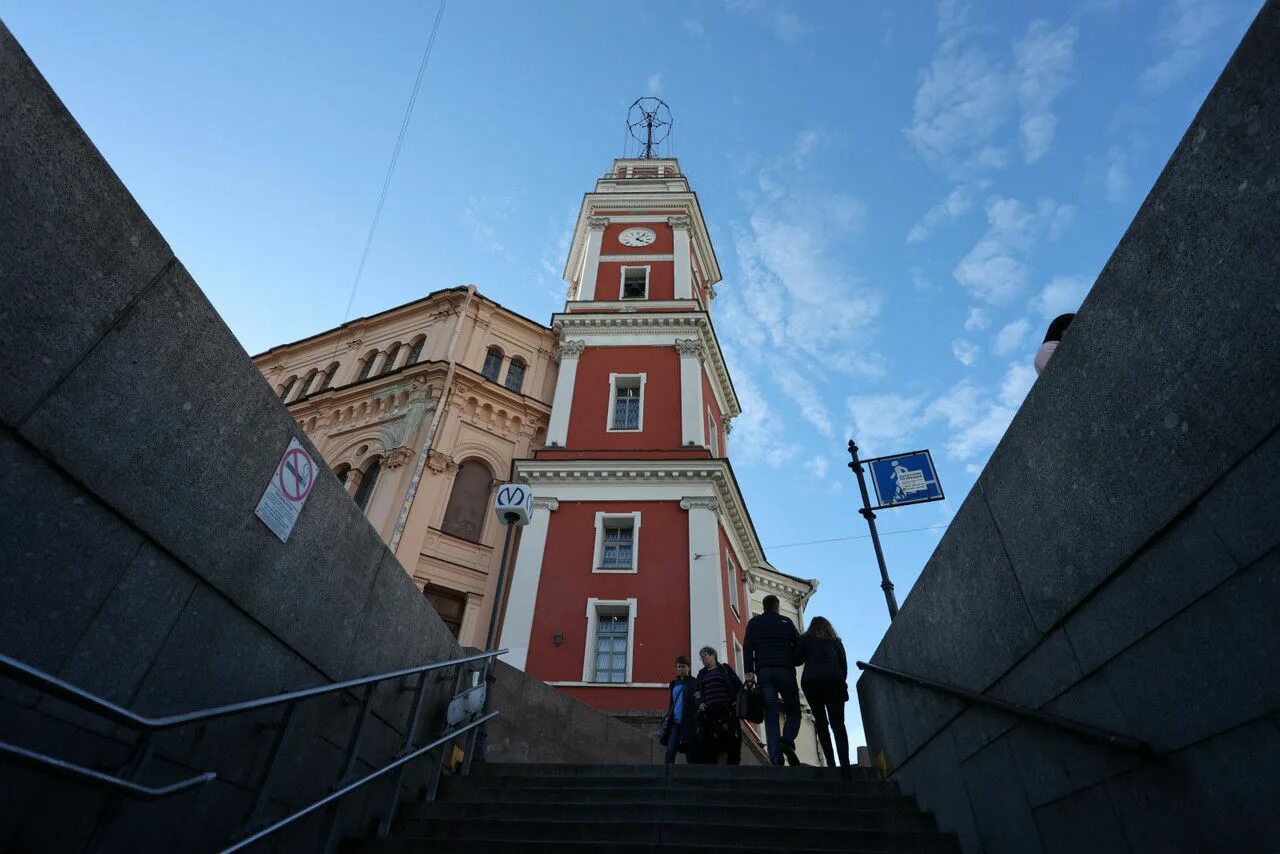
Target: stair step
<point>774,815</point>
<point>885,798</point>
<point>676,833</point>
<point>804,772</point>
<point>778,786</point>
<point>426,846</point>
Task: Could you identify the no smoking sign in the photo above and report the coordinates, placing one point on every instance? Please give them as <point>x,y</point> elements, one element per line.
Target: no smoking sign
<point>287,490</point>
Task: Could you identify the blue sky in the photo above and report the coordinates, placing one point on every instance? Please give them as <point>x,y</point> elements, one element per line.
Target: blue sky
<point>901,194</point>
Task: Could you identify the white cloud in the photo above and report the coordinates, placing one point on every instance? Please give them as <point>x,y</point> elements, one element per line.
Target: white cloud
<point>817,466</point>
<point>963,100</point>
<point>996,268</point>
<point>957,202</point>
<point>1062,294</point>
<point>806,143</point>
<point>1016,383</point>
<point>977,320</point>
<point>1117,181</point>
<point>1045,57</point>
<point>694,27</point>
<point>654,84</point>
<point>788,27</point>
<point>804,395</point>
<point>966,352</point>
<point>1187,28</point>
<point>1011,336</point>
<point>883,420</point>
<point>758,433</point>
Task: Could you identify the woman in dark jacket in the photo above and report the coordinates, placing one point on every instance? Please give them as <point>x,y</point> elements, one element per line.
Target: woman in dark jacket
<point>681,723</point>
<point>826,686</point>
<point>718,687</point>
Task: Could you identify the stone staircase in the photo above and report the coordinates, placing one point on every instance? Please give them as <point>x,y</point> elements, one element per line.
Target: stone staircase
<point>633,808</point>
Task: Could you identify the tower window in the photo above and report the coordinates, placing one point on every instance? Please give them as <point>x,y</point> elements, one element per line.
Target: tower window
<point>733,586</point>
<point>415,352</point>
<point>515,374</point>
<point>626,402</point>
<point>713,435</point>
<point>389,362</point>
<point>492,364</point>
<point>611,625</point>
<point>635,282</point>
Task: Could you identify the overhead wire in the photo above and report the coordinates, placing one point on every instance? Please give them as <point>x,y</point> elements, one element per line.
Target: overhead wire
<point>856,537</point>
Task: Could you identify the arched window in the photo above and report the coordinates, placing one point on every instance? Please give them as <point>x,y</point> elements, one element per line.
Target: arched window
<point>515,374</point>
<point>306,384</point>
<point>390,361</point>
<point>365,491</point>
<point>492,364</point>
<point>415,352</point>
<point>288,386</point>
<point>328,377</point>
<point>342,471</point>
<point>468,502</point>
<point>366,364</point>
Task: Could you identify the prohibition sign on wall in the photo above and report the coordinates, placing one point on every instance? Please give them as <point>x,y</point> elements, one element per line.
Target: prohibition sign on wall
<point>287,490</point>
<point>297,473</point>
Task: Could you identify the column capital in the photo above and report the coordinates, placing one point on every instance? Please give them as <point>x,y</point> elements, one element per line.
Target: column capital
<point>398,457</point>
<point>680,222</point>
<point>699,503</point>
<point>597,223</point>
<point>570,349</point>
<point>689,348</point>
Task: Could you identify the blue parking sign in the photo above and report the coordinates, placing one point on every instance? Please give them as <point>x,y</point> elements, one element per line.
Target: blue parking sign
<point>904,479</point>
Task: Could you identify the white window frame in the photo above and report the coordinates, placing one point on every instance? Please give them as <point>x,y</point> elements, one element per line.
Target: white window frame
<point>737,656</point>
<point>735,593</point>
<point>713,435</point>
<point>597,555</point>
<point>610,607</point>
<point>622,281</point>
<point>613,402</point>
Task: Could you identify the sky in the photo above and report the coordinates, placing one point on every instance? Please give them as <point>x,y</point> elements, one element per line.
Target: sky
<point>901,195</point>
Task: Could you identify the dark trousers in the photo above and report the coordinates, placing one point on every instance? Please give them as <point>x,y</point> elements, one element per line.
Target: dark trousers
<point>673,747</point>
<point>721,734</point>
<point>826,699</point>
<point>775,683</point>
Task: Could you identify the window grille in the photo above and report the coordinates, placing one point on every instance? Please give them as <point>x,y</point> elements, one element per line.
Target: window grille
<point>611,648</point>
<point>626,408</point>
<point>616,552</point>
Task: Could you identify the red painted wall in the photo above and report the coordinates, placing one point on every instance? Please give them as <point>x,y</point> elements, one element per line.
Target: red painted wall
<point>662,282</point>
<point>600,454</point>
<point>663,243</point>
<point>588,419</point>
<point>660,586</point>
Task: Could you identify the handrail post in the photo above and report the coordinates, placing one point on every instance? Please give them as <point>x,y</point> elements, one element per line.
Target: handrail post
<point>268,773</point>
<point>406,746</point>
<point>478,736</point>
<point>433,781</point>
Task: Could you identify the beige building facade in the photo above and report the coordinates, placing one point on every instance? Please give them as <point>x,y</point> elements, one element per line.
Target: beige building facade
<point>420,410</point>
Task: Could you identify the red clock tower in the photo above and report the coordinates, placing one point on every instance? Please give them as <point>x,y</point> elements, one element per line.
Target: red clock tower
<point>640,541</point>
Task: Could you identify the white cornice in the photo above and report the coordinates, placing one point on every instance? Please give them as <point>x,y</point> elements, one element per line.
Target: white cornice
<point>545,475</point>
<point>587,326</point>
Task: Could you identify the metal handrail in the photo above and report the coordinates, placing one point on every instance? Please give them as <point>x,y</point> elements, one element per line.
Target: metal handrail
<point>1086,732</point>
<point>49,684</point>
<point>351,787</point>
<point>32,759</point>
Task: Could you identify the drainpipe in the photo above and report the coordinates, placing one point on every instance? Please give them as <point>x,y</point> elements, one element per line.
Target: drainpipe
<point>435,425</point>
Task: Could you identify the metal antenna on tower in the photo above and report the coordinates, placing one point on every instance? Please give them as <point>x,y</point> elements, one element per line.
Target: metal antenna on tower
<point>649,122</point>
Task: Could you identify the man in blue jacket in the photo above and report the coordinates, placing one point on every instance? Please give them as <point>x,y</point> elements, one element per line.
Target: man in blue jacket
<point>769,659</point>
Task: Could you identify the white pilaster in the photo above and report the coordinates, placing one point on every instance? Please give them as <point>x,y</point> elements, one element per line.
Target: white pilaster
<point>595,237</point>
<point>691,422</point>
<point>517,625</point>
<point>562,402</point>
<point>706,596</point>
<point>683,264</point>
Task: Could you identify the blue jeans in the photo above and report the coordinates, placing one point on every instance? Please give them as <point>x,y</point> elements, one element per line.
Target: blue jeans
<point>775,682</point>
<point>673,746</point>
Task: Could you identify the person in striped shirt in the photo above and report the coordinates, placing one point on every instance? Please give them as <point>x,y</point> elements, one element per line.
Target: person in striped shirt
<point>718,687</point>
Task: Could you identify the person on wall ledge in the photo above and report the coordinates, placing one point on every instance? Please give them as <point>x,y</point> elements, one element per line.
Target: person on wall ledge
<point>769,656</point>
<point>679,729</point>
<point>718,687</point>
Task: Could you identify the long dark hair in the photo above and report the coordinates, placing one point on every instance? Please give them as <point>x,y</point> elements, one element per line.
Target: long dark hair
<point>821,628</point>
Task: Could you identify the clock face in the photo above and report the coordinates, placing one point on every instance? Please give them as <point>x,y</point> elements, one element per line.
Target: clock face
<point>637,237</point>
